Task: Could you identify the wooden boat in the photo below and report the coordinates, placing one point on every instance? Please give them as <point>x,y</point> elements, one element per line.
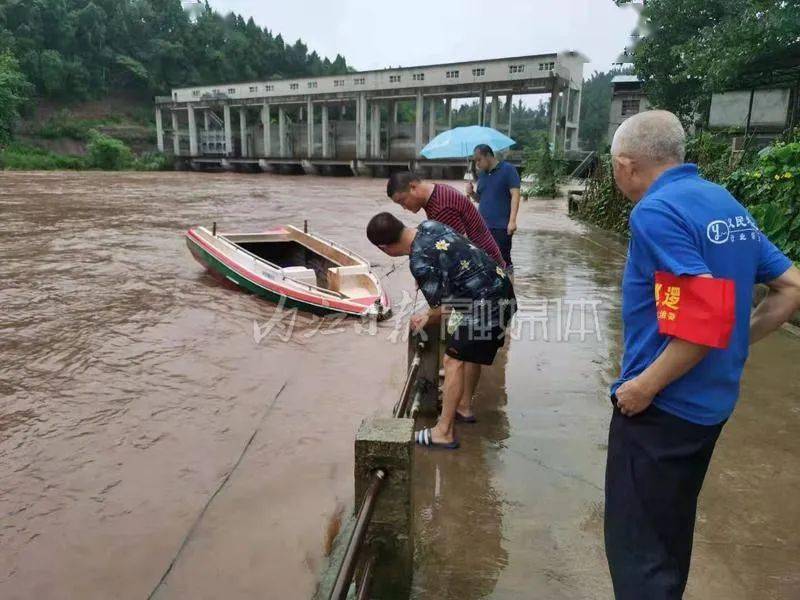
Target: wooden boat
<point>290,266</point>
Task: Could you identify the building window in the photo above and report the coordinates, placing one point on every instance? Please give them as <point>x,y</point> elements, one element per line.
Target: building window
<point>548,66</point>
<point>338,83</point>
<point>516,68</point>
<point>359,81</point>
<point>195,92</point>
<point>312,84</point>
<point>294,86</point>
<point>231,90</point>
<point>216,91</point>
<point>630,107</point>
<point>269,87</point>
<point>479,72</point>
<point>418,76</point>
<point>253,88</point>
<point>394,78</point>
<point>452,74</point>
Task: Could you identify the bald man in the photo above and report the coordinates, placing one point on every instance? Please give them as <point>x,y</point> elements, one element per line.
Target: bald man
<point>694,257</point>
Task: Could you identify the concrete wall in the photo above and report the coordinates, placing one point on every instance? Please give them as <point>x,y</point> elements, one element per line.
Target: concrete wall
<point>770,109</point>
<point>486,71</point>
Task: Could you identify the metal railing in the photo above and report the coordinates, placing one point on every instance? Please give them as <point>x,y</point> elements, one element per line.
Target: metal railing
<point>344,577</point>
<point>366,580</point>
<point>348,566</point>
<point>584,166</point>
<point>401,408</point>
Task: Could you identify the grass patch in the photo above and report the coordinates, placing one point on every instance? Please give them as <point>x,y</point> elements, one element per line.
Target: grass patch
<point>105,154</point>
<point>20,157</point>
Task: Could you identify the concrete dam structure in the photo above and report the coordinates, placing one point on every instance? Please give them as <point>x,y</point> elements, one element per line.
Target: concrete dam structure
<point>367,122</point>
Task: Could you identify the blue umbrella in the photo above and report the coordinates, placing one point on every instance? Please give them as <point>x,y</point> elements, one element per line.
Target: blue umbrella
<point>461,141</point>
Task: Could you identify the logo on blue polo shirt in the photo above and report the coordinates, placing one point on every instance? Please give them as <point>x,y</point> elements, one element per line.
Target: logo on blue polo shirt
<point>724,231</point>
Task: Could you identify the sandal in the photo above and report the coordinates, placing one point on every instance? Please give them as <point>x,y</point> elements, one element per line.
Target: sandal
<point>424,437</point>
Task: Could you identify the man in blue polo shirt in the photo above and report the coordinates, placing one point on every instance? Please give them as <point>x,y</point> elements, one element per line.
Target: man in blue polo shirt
<point>694,257</point>
<point>498,198</point>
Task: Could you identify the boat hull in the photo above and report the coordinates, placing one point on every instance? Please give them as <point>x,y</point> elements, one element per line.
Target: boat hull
<point>221,266</point>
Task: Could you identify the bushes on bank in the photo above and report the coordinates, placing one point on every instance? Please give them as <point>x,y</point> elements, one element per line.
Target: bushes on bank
<point>767,183</point>
<point>602,203</point>
<point>546,169</point>
<point>770,188</point>
<point>107,153</point>
<point>103,152</point>
<point>153,161</point>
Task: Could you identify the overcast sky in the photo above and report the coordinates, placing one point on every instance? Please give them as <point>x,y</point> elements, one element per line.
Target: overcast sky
<point>373,34</point>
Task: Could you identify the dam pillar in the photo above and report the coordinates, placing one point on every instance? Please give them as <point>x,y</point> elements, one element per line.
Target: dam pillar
<point>281,131</point>
<point>554,116</point>
<point>176,140</point>
<point>510,108</point>
<point>309,128</point>
<point>361,126</point>
<point>375,130</point>
<point>159,131</point>
<point>419,123</point>
<point>192,132</point>
<point>325,131</point>
<point>243,132</point>
<point>432,119</point>
<point>267,133</point>
<point>448,107</point>
<point>228,130</point>
<point>493,118</point>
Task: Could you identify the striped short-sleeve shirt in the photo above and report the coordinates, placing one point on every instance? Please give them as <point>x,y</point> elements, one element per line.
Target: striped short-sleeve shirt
<point>449,206</point>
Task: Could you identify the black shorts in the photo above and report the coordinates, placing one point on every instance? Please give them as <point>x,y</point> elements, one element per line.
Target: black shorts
<point>474,344</point>
<point>463,345</point>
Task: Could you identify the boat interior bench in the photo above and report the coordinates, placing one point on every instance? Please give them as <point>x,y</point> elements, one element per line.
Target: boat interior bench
<point>352,281</point>
<point>301,274</point>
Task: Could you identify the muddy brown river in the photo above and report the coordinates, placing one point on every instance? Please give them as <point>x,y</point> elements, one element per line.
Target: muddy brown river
<point>164,435</point>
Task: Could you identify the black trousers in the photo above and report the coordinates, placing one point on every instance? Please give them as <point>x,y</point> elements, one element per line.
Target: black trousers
<point>504,242</point>
<point>654,472</point>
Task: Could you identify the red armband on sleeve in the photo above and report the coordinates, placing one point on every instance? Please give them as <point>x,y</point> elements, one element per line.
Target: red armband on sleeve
<point>700,310</point>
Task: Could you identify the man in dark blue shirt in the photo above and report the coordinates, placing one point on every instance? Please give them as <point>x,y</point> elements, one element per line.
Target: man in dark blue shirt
<point>456,276</point>
<point>694,257</point>
<point>498,197</point>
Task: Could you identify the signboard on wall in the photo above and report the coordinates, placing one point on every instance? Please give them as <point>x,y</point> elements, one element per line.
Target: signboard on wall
<point>770,109</point>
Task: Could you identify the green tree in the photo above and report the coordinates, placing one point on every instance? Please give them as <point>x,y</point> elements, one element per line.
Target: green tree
<point>696,47</point>
<point>14,91</point>
<point>81,48</point>
<point>108,153</point>
<point>595,108</point>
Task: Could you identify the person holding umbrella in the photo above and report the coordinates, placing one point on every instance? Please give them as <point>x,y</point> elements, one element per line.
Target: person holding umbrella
<point>498,190</point>
<point>498,196</point>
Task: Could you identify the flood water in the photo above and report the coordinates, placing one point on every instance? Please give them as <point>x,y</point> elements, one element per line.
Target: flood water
<point>131,382</point>
<point>164,435</point>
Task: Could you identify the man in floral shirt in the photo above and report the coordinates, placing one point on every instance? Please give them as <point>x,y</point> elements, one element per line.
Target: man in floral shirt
<point>461,282</point>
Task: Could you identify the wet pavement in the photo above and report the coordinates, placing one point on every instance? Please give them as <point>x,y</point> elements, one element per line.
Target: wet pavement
<point>161,433</point>
<point>517,511</point>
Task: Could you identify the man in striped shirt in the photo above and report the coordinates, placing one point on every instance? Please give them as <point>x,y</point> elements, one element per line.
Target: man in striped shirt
<point>444,204</point>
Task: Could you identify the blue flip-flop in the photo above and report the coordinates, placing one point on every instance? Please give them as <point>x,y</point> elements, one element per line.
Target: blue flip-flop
<point>424,437</point>
<point>462,419</point>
